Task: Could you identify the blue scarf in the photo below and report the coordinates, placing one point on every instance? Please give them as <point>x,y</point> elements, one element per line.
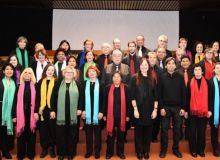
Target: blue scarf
<point>216,103</point>
<point>82,58</point>
<point>88,103</point>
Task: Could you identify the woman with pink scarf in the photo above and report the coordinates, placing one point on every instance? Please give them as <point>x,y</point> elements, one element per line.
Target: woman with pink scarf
<point>25,117</point>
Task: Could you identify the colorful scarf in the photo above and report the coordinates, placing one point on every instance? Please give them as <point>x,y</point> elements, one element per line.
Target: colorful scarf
<point>199,58</point>
<point>39,69</point>
<point>74,96</point>
<point>209,70</point>
<point>82,58</point>
<point>88,103</point>
<point>20,109</point>
<point>110,113</point>
<point>216,103</point>
<point>7,103</point>
<point>46,93</point>
<point>199,98</point>
<point>18,53</point>
<point>86,66</point>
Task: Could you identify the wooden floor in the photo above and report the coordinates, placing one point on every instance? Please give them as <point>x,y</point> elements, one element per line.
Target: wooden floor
<point>130,150</point>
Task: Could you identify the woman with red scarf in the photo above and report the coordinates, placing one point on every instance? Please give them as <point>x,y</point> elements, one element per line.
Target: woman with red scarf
<point>198,111</point>
<point>118,111</point>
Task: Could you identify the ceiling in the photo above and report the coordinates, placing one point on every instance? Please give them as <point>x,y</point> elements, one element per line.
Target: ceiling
<point>161,5</point>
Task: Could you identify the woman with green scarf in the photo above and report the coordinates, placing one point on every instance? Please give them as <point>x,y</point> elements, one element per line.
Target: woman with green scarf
<point>66,103</point>
<point>7,110</point>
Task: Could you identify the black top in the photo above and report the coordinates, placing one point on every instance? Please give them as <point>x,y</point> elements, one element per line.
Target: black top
<point>67,105</point>
<point>144,50</point>
<point>27,95</point>
<point>127,60</point>
<point>100,61</point>
<point>145,95</point>
<point>172,90</point>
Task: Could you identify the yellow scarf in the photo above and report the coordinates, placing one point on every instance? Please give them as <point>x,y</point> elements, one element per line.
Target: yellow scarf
<point>45,99</point>
<point>199,58</point>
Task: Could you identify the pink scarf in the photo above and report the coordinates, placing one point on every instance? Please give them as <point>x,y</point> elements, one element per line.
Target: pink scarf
<point>20,109</point>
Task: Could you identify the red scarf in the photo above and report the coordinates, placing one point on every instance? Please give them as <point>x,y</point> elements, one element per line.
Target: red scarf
<point>199,98</point>
<point>209,70</point>
<point>110,116</point>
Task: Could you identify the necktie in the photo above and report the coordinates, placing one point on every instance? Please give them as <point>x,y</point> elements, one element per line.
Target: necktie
<point>185,77</point>
<point>106,61</point>
<point>116,68</point>
<point>42,66</point>
<point>161,64</point>
<point>140,52</point>
<point>132,66</point>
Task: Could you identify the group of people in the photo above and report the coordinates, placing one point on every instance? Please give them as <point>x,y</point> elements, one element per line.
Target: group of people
<point>148,90</point>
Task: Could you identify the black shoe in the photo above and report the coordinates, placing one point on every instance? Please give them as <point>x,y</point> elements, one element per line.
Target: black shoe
<point>162,154</point>
<point>216,153</point>
<point>177,154</point>
<point>60,158</point>
<point>139,156</point>
<point>122,156</point>
<point>52,152</point>
<point>108,156</point>
<point>69,157</point>
<point>6,154</point>
<point>97,156</point>
<point>202,154</point>
<point>154,140</point>
<point>87,155</point>
<point>43,153</point>
<point>194,154</point>
<point>146,156</point>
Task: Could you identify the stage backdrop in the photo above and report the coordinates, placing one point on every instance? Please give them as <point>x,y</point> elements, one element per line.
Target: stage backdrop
<point>105,25</point>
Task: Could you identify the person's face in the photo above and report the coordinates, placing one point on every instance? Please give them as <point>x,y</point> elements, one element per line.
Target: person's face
<point>161,53</point>
<point>183,44</point>
<point>171,66</point>
<point>198,71</point>
<point>13,61</point>
<point>50,71</point>
<point>116,79</point>
<point>117,44</point>
<point>88,46</point>
<point>68,74</point>
<point>92,73</point>
<point>217,69</point>
<point>64,46</point>
<point>8,72</point>
<point>41,57</point>
<point>162,42</point>
<point>144,67</point>
<point>152,58</point>
<point>199,48</point>
<point>27,75</point>
<point>131,48</point>
<point>72,62</point>
<point>215,47</point>
<point>38,47</point>
<point>179,54</point>
<point>209,55</point>
<point>89,57</point>
<point>61,56</point>
<point>117,57</point>
<point>185,63</point>
<point>105,49</point>
<point>22,44</point>
<point>140,41</point>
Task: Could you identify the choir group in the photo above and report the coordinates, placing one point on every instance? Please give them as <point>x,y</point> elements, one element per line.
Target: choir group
<point>150,91</point>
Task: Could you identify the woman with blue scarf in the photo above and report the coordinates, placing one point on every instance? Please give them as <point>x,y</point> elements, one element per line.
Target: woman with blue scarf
<point>93,109</point>
<point>214,88</point>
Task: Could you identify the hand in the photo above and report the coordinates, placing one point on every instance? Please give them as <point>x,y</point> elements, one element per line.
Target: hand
<point>104,118</point>
<point>186,115</point>
<point>136,114</point>
<point>209,114</point>
<point>79,112</point>
<point>83,115</point>
<point>100,116</point>
<point>163,112</point>
<point>40,112</point>
<point>127,119</point>
<point>14,120</point>
<point>182,112</point>
<point>36,116</point>
<point>154,114</point>
<point>52,115</point>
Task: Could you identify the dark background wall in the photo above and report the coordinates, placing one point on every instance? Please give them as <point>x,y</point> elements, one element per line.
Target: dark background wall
<point>36,25</point>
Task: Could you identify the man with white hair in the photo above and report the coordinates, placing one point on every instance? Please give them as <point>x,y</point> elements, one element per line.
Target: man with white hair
<point>163,43</point>
<point>116,44</point>
<point>116,65</point>
<point>142,51</point>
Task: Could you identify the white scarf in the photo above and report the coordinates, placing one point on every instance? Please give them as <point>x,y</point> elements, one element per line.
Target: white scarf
<point>63,67</point>
<point>39,69</point>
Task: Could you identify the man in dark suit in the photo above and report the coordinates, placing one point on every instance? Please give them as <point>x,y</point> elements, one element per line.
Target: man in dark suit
<point>161,57</point>
<point>141,50</point>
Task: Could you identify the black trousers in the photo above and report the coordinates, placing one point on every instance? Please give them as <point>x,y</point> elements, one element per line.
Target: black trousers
<point>197,128</point>
<point>142,137</point>
<point>165,123</point>
<point>214,137</point>
<point>120,140</point>
<point>95,130</point>
<point>6,141</point>
<point>47,130</point>
<point>156,126</point>
<point>66,140</point>
<point>185,133</point>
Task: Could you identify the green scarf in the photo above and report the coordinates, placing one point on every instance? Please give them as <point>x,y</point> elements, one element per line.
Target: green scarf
<point>74,96</point>
<point>86,66</point>
<point>7,103</point>
<point>18,53</point>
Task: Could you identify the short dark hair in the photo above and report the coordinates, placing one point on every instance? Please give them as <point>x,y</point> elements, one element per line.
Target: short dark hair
<point>170,59</point>
<point>184,56</point>
<point>71,57</point>
<point>198,65</point>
